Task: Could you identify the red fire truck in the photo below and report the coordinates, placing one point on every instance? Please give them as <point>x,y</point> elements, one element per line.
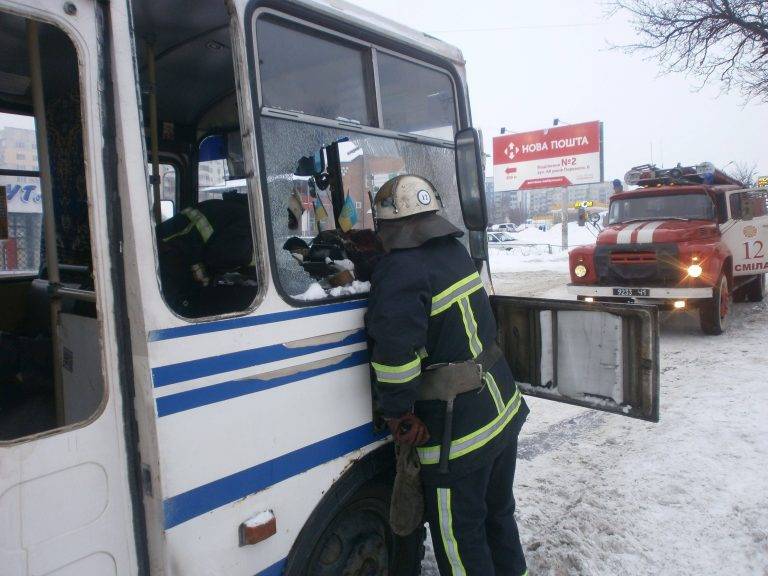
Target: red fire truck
<point>687,237</point>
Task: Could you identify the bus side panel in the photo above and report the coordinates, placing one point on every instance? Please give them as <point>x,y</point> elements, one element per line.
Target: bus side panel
<point>256,414</point>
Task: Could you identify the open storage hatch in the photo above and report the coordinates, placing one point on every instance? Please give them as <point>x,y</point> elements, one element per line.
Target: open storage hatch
<point>601,356</point>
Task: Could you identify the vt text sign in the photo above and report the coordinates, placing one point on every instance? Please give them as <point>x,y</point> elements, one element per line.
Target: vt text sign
<point>550,158</point>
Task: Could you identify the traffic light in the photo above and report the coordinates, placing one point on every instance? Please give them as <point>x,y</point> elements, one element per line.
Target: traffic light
<point>582,216</point>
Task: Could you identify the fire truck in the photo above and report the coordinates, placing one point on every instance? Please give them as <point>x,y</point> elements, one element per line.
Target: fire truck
<point>689,237</point>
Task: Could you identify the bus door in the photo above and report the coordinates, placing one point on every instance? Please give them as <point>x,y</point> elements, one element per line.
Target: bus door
<point>746,232</point>
<point>65,501</point>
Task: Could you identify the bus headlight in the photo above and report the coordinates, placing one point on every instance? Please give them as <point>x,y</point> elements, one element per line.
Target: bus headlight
<point>580,271</point>
<point>695,270</point>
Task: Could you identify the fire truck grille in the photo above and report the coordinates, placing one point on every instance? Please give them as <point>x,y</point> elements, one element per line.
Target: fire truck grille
<point>633,257</point>
<point>638,265</point>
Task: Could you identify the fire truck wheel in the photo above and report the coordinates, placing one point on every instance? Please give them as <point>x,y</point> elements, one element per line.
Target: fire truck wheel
<point>755,290</point>
<point>359,540</point>
<point>715,314</point>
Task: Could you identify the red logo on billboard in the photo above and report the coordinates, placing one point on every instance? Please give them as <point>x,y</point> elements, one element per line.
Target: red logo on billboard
<point>511,150</point>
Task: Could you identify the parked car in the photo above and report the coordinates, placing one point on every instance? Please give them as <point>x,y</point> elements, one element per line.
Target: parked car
<point>501,240</point>
<point>504,226</point>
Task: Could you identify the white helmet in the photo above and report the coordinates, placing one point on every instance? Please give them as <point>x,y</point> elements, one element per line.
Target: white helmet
<point>404,196</point>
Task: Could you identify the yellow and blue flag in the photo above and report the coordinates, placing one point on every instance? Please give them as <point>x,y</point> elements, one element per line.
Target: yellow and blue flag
<point>321,215</point>
<point>348,215</point>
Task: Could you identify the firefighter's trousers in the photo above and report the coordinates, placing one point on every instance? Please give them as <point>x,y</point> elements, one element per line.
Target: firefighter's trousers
<point>473,526</point>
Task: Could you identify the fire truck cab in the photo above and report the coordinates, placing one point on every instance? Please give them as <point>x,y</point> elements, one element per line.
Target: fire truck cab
<point>687,237</point>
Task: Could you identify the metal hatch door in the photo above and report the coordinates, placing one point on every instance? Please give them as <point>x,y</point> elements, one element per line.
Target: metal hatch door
<point>601,356</point>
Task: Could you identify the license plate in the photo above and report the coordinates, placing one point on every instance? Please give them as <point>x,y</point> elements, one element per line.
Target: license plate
<point>627,292</point>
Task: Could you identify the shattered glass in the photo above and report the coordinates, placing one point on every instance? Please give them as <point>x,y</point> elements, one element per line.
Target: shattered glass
<point>367,162</point>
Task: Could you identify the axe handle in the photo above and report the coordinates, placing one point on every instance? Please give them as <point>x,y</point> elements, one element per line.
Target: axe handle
<point>445,447</point>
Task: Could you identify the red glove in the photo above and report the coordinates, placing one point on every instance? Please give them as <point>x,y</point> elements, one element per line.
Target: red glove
<point>408,429</point>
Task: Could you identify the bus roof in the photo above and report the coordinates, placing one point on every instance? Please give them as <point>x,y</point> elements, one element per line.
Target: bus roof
<point>389,28</point>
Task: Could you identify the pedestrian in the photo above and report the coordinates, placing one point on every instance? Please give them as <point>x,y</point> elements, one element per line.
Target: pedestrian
<point>441,382</point>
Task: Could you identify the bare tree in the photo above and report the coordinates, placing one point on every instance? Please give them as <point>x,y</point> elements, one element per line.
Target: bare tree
<point>725,40</point>
<point>744,173</point>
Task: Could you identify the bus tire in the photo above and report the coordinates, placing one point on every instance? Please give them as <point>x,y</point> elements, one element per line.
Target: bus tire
<point>358,539</point>
<point>755,290</point>
<point>715,314</point>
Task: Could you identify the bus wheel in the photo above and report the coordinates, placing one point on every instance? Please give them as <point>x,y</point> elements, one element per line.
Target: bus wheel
<point>714,315</point>
<point>358,541</point>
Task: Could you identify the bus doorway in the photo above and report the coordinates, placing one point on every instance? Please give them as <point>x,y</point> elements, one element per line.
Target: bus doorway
<point>64,497</point>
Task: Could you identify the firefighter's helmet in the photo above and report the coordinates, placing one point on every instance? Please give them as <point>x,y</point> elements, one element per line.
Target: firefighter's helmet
<point>405,195</point>
<point>406,210</point>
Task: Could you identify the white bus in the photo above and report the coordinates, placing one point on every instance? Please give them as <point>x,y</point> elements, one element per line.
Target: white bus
<point>141,436</point>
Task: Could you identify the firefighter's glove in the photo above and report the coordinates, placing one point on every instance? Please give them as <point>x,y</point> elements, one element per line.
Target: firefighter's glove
<point>408,429</point>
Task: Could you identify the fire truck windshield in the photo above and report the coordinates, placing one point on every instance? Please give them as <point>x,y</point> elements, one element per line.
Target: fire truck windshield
<point>662,207</point>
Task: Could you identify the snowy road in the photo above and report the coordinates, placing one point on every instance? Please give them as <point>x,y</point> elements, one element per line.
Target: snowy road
<point>603,495</point>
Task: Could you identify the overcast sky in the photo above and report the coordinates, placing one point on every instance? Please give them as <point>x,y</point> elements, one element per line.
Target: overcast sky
<point>530,62</point>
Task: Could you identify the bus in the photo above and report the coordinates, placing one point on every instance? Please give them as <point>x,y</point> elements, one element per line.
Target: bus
<point>141,433</point>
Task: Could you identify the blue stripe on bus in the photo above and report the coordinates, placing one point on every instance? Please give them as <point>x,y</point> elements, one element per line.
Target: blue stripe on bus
<point>275,570</point>
<point>248,321</point>
<point>190,399</point>
<point>201,367</point>
<point>208,497</point>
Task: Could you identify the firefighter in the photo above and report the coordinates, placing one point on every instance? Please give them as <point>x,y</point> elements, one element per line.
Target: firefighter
<point>206,257</point>
<point>441,382</point>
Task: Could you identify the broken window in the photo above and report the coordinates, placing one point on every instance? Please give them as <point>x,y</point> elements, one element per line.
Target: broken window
<point>321,180</point>
<point>322,225</point>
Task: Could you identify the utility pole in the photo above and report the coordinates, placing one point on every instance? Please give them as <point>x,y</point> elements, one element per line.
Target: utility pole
<point>564,205</point>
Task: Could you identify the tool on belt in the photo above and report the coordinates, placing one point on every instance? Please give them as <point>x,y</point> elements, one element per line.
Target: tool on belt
<point>446,381</point>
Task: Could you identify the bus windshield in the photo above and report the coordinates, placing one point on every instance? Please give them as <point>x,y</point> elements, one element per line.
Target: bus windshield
<point>666,207</point>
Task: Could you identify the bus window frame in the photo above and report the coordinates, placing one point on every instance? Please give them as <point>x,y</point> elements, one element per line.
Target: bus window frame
<point>184,195</point>
<point>175,163</point>
<point>372,77</point>
<point>347,30</point>
<point>88,106</point>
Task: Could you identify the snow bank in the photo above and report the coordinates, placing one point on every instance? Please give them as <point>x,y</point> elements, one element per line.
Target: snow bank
<point>513,261</point>
<point>577,235</point>
<point>537,250</point>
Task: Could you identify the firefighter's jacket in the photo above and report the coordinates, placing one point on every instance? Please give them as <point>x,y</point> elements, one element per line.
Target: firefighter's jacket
<point>428,306</point>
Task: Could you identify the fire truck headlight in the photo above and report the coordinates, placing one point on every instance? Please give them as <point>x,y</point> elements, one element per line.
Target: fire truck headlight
<point>695,270</point>
<point>580,271</point>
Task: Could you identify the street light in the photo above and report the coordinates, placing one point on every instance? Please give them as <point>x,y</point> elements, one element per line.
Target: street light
<point>557,121</point>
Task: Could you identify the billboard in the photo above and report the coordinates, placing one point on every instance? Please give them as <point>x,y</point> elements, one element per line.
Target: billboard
<point>558,156</point>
